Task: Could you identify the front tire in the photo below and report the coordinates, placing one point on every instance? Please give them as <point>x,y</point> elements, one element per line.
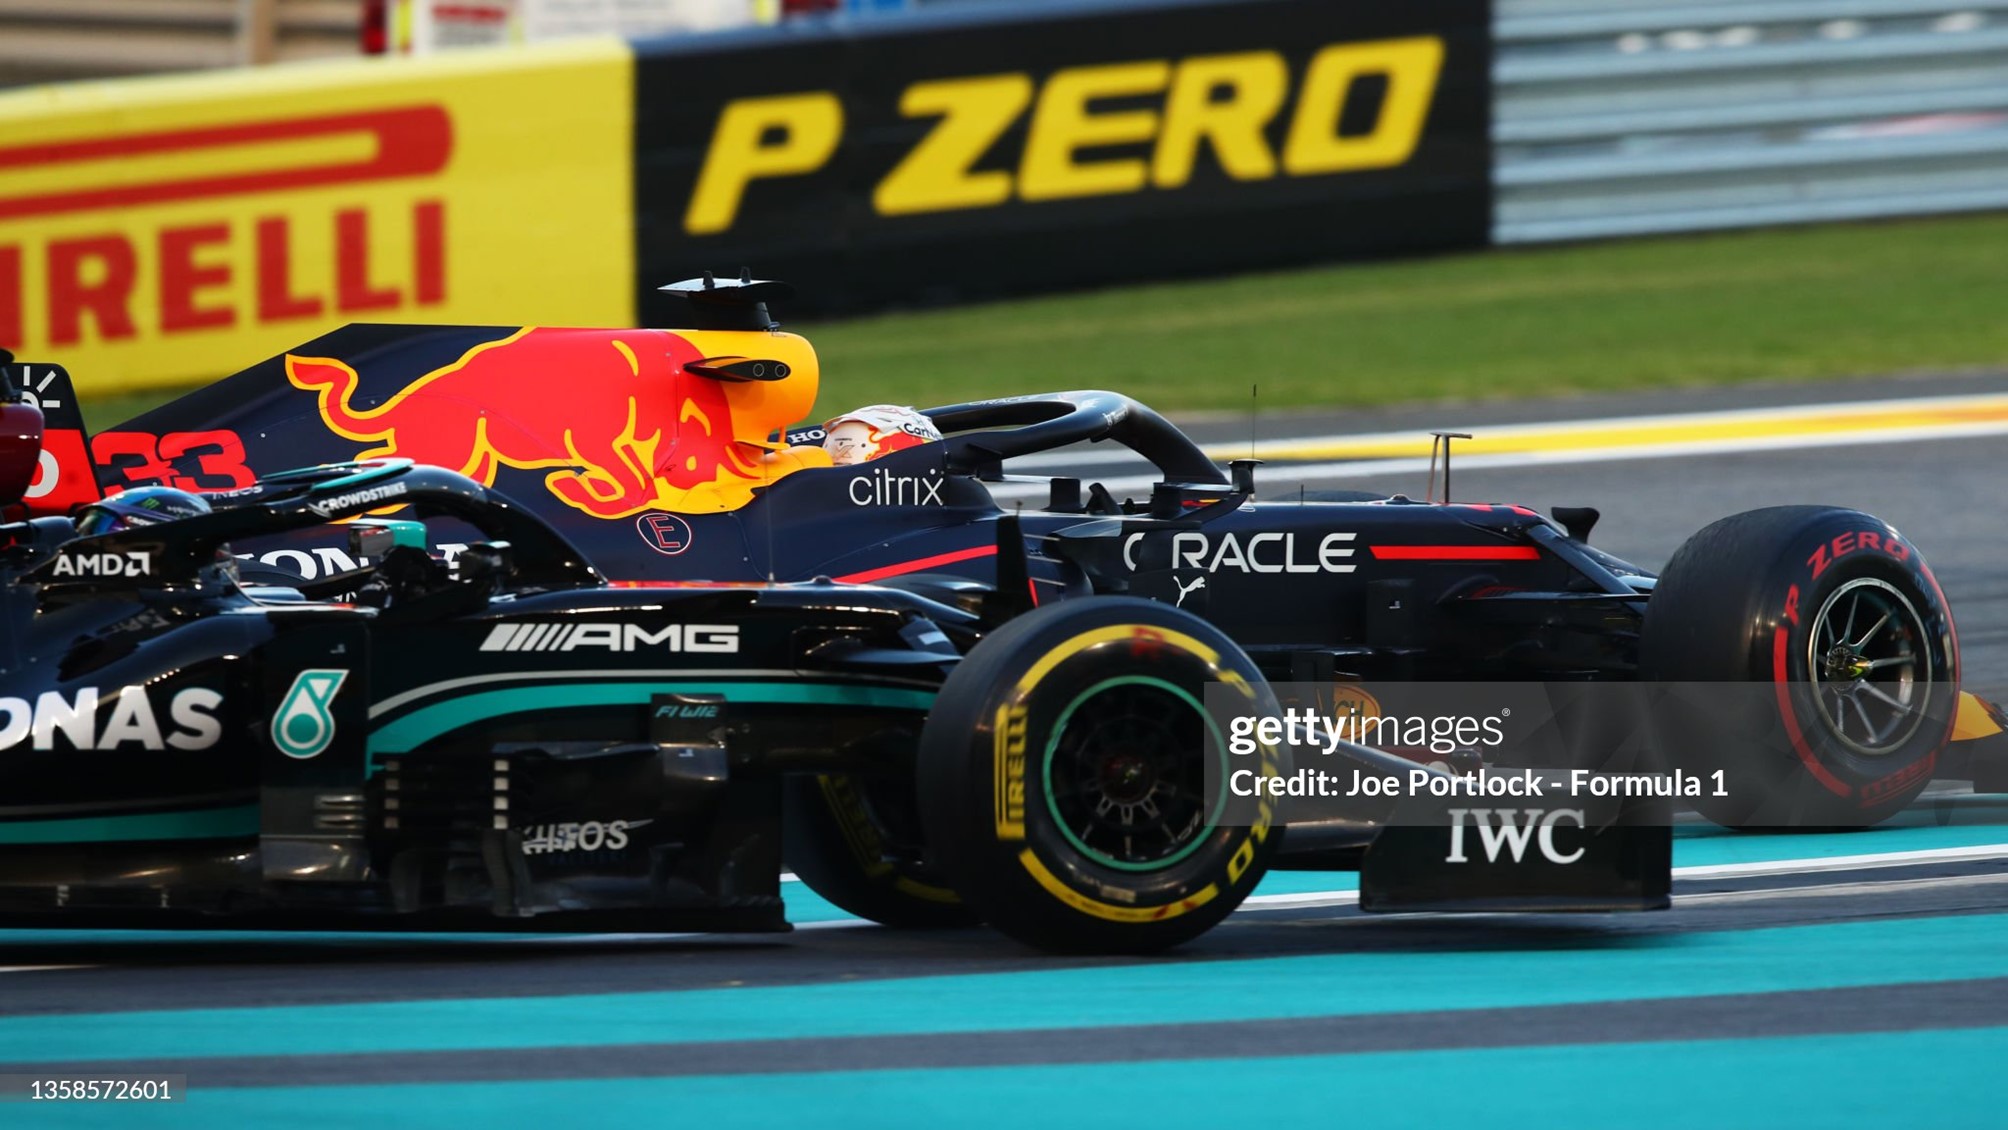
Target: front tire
<point>1842,618</point>
<point>1065,785</point>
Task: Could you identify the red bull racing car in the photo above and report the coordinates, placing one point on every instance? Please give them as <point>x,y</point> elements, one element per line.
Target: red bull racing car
<point>664,457</point>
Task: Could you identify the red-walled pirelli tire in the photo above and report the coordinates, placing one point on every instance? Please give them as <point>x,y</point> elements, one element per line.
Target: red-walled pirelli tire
<point>1064,778</point>
<point>838,835</point>
<point>1843,620</point>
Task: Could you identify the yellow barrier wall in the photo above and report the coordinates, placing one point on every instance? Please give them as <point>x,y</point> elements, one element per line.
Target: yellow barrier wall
<point>162,231</point>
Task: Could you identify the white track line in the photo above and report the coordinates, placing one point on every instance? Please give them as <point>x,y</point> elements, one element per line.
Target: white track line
<point>1368,468</point>
<point>1311,900</point>
<point>1282,445</point>
<point>1841,890</point>
<point>1863,862</point>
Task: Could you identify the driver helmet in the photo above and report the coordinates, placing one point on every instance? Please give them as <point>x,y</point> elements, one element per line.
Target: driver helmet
<point>140,506</point>
<point>864,434</point>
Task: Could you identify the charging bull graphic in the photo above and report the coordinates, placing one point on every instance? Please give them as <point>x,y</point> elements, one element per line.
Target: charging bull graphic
<point>618,417</point>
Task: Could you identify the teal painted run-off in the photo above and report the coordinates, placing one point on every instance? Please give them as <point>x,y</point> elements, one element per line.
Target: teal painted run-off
<point>1162,992</point>
<point>1781,1081</point>
<point>427,723</point>
<point>1931,1079</point>
<point>231,822</point>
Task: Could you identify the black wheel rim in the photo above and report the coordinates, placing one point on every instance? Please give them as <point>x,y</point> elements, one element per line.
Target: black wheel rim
<point>1124,774</point>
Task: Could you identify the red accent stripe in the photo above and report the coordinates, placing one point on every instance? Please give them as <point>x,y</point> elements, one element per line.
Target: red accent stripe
<point>917,565</point>
<point>1456,553</point>
<point>1780,675</point>
<point>472,13</point>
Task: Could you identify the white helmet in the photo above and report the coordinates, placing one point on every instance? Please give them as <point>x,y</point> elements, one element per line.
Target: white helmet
<point>864,434</point>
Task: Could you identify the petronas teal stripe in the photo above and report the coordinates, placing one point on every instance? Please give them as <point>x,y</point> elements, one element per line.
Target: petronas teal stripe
<point>421,726</point>
<point>192,824</point>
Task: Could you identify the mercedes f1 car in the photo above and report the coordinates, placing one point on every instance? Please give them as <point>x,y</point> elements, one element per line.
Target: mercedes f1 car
<point>516,744</point>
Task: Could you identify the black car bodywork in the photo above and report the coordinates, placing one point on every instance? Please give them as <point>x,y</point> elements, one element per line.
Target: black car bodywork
<point>1310,590</point>
<point>516,743</point>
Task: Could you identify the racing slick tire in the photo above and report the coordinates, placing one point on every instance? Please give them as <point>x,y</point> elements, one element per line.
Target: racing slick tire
<point>836,839</point>
<point>1842,618</point>
<point>1064,786</point>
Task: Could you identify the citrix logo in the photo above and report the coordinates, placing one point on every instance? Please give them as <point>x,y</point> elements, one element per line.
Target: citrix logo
<point>883,488</point>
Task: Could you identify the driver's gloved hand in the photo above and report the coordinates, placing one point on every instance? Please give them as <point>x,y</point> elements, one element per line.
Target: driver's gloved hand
<point>373,593</point>
<point>405,573</point>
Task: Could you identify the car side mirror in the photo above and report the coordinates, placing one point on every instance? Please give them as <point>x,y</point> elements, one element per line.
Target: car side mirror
<point>371,538</point>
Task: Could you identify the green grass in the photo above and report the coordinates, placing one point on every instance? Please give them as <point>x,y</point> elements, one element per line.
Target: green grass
<point>1796,303</point>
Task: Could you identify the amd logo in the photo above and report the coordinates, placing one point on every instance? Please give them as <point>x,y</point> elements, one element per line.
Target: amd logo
<point>712,639</point>
<point>133,563</point>
<point>1511,836</point>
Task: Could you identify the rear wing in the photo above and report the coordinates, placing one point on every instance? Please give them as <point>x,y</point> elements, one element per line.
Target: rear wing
<point>45,461</point>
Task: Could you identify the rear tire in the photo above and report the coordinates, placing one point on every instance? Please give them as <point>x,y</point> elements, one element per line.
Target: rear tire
<point>1064,779</point>
<point>1841,616</point>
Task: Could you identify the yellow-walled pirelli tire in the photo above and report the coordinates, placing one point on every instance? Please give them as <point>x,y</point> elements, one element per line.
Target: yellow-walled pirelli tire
<point>1065,786</point>
<point>840,836</point>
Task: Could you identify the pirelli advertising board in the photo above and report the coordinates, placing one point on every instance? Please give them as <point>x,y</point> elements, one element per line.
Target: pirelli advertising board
<point>169,231</point>
<point>164,231</point>
<point>954,157</point>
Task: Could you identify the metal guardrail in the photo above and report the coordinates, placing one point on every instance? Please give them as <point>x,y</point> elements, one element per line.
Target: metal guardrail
<point>1616,117</point>
<point>58,40</point>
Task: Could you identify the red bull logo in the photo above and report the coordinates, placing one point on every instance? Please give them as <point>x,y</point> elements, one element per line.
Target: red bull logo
<point>613,415</point>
